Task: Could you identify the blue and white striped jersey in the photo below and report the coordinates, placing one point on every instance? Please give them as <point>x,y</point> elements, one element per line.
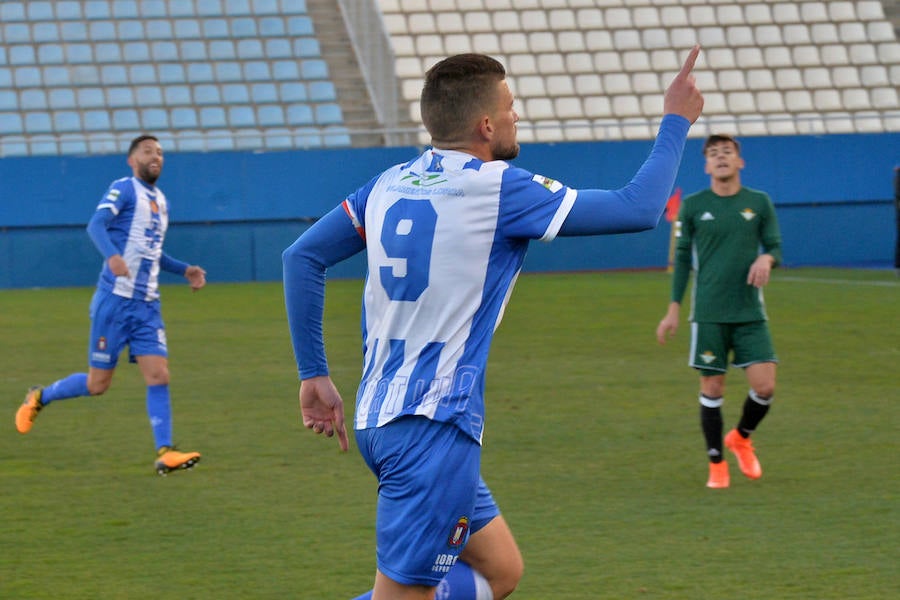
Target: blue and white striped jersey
<point>137,231</point>
<point>446,235</point>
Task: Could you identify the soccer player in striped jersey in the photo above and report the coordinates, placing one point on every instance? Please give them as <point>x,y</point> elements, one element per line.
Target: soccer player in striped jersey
<point>128,228</point>
<point>728,235</point>
<point>445,235</point>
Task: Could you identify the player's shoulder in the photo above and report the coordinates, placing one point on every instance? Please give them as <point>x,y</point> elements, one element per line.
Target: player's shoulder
<point>120,189</point>
<point>754,194</point>
<point>695,198</point>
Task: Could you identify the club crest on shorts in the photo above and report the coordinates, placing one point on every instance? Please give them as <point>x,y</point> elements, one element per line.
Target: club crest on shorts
<point>459,533</point>
<point>101,344</point>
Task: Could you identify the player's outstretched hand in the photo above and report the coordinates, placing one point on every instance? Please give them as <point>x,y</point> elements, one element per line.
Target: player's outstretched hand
<point>196,277</point>
<point>322,408</point>
<point>682,96</point>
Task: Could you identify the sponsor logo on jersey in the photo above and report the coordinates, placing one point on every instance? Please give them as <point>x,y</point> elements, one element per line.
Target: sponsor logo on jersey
<point>707,216</point>
<point>112,195</point>
<point>707,357</point>
<point>458,535</point>
<point>550,184</point>
<point>748,214</point>
<point>425,180</point>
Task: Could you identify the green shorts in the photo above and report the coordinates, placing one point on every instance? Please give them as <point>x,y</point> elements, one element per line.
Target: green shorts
<point>711,343</point>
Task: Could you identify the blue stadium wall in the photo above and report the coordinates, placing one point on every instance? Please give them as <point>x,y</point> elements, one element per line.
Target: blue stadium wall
<point>235,212</point>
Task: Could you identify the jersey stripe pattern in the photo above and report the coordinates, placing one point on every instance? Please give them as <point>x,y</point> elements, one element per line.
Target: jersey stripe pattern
<point>446,236</point>
<point>138,230</point>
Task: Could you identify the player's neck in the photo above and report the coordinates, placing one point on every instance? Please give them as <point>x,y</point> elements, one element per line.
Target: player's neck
<point>726,187</point>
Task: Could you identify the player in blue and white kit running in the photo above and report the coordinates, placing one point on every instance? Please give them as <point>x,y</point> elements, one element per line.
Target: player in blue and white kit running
<point>446,235</point>
<point>128,228</point>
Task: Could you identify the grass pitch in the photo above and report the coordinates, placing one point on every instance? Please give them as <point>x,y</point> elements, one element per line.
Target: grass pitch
<point>592,449</point>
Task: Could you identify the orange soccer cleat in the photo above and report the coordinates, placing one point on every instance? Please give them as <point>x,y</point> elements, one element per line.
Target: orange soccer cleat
<point>718,475</point>
<point>27,413</point>
<point>743,450</point>
<point>169,459</point>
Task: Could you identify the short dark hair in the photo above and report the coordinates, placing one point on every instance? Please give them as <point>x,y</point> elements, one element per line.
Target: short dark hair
<point>721,137</point>
<point>456,91</point>
<point>137,141</point>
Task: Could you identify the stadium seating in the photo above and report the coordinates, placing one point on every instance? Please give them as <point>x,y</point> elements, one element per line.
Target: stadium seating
<point>769,67</point>
<point>220,73</point>
<point>249,74</point>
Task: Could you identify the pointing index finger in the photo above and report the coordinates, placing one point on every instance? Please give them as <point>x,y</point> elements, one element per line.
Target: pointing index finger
<point>690,61</point>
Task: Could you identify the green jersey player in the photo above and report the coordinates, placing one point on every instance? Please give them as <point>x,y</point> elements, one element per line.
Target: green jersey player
<point>728,235</point>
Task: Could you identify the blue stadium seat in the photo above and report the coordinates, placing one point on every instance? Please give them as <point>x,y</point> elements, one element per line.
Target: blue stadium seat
<point>187,29</point>
<point>217,141</point>
<point>43,145</point>
<point>193,51</point>
<point>221,50</point>
<point>8,102</point>
<point>322,91</point>
<point>102,143</point>
<point>115,74</point>
<point>209,8</point>
<point>215,28</point>
<point>131,30</point>
<point>125,9</point>
<point>266,7</point>
<point>277,139</point>
<point>27,77</point>
<point>235,93</point>
<point>96,120</point>
<point>250,49</point>
<point>70,144</point>
<point>6,78</point>
<point>33,99</point>
<point>307,47</point>
<point>12,145</point>
<point>51,54</point>
<point>248,139</point>
<point>271,27</point>
<point>181,9</point>
<point>263,93</point>
<point>171,73</point>
<point>241,116</point>
<point>314,69</point>
<point>56,76</point>
<point>68,10</point>
<point>134,52</point>
<point>154,8</point>
<point>22,54</point>
<point>243,28</point>
<point>293,7</point>
<point>184,118</point>
<point>278,48</point>
<point>228,71</point>
<point>164,51</point>
<point>45,32</point>
<point>38,122</point>
<point>207,94</point>
<point>212,116</point>
<point>293,91</point>
<point>102,31</point>
<point>154,119</point>
<point>12,11</point>
<point>97,9</point>
<point>336,137</point>
<point>329,114</point>
<point>10,123</point>
<point>79,54</point>
<point>257,70</point>
<point>40,11</point>
<point>270,115</point>
<point>300,114</point>
<point>108,52</point>
<point>67,121</point>
<point>74,31</point>
<point>90,97</point>
<point>285,70</point>
<point>307,137</point>
<point>17,33</point>
<point>148,95</point>
<point>119,97</point>
<point>237,8</point>
<point>60,98</point>
<point>125,119</point>
<point>200,72</point>
<point>177,95</point>
<point>144,73</point>
<point>297,26</point>
<point>159,29</point>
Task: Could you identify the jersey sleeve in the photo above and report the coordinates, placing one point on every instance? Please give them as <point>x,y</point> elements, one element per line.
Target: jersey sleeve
<point>771,233</point>
<point>532,206</point>
<point>119,194</point>
<point>684,236</point>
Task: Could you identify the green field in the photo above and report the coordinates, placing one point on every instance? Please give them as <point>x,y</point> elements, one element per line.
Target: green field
<point>592,449</point>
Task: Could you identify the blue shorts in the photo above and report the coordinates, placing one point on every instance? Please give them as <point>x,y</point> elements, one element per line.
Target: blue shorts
<point>430,496</point>
<point>116,322</point>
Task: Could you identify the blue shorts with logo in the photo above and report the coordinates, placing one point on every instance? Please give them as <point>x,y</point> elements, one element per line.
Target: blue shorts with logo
<point>117,321</point>
<point>430,496</point>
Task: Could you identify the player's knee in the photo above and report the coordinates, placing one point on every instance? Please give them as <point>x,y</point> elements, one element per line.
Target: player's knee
<point>764,391</point>
<point>96,388</point>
